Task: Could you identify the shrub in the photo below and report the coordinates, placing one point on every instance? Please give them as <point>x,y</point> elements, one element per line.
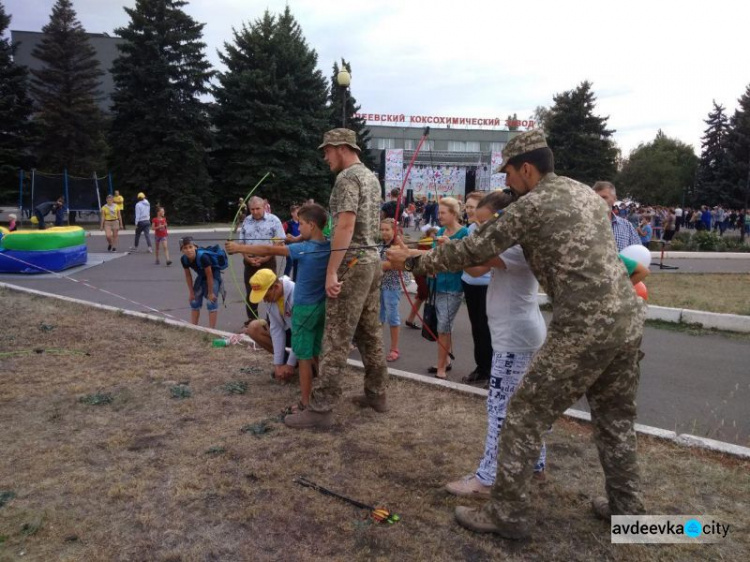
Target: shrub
<point>706,241</point>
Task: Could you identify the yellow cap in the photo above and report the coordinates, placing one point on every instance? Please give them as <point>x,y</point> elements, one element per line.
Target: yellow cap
<point>141,195</point>
<point>260,283</point>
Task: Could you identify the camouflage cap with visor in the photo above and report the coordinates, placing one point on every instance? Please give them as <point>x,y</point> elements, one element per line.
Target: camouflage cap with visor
<point>523,143</point>
<point>338,137</point>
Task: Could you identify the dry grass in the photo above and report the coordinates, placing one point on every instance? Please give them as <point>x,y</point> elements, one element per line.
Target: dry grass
<point>713,292</point>
<point>152,477</point>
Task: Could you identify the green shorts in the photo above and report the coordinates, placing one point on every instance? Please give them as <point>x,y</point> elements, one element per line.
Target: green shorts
<point>308,323</point>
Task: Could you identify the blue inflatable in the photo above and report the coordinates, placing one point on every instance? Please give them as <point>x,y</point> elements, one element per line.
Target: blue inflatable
<point>41,261</point>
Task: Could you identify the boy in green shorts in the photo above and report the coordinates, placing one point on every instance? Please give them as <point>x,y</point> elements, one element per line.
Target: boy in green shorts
<point>308,317</point>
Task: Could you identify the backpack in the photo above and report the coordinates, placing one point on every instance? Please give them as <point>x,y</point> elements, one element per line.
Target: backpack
<point>217,255</point>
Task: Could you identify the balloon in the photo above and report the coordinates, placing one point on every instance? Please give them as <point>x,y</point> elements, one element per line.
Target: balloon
<point>34,220</point>
<point>641,291</point>
<point>638,253</point>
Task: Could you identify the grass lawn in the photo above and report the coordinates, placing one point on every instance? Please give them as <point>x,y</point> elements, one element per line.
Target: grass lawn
<point>131,440</point>
<point>712,292</point>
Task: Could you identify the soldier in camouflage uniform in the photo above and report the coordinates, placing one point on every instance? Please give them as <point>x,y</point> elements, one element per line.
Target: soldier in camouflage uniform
<point>593,341</point>
<point>352,308</point>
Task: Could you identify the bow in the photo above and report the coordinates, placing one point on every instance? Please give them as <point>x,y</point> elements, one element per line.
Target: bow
<point>425,134</point>
<point>379,514</point>
<point>232,273</point>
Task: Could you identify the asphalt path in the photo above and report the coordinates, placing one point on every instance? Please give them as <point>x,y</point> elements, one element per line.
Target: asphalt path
<point>689,384</point>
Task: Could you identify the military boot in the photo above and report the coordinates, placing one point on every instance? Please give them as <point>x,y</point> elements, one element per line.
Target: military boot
<point>600,505</point>
<point>375,401</point>
<point>481,521</point>
<point>309,419</point>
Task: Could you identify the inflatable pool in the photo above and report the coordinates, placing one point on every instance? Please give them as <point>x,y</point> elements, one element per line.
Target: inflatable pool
<point>40,251</point>
<point>49,239</point>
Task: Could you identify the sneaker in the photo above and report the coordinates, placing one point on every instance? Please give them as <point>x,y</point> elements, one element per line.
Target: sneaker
<point>309,419</point>
<point>468,487</point>
<point>169,262</point>
<point>150,251</point>
<point>481,521</point>
<point>476,377</point>
<point>377,403</point>
<point>109,247</point>
<point>133,249</point>
<point>114,249</point>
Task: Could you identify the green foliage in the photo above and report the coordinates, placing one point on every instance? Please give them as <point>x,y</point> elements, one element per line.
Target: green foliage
<point>540,116</point>
<point>180,391</point>
<point>583,146</point>
<point>71,129</point>
<point>15,111</point>
<point>658,173</point>
<point>270,114</point>
<point>513,120</point>
<point>160,133</point>
<point>713,186</point>
<point>706,241</point>
<point>738,154</point>
<point>98,399</point>
<point>356,124</point>
<point>235,387</point>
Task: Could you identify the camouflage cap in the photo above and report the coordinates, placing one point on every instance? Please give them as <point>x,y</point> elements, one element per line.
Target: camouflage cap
<point>337,137</point>
<point>523,143</point>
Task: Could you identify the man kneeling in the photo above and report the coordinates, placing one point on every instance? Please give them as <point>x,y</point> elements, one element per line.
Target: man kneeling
<point>275,334</point>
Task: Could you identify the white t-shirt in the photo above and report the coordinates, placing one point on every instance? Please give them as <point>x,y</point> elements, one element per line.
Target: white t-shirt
<point>482,279</point>
<point>516,323</point>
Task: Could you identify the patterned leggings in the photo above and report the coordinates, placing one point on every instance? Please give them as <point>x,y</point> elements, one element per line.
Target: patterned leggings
<point>507,373</point>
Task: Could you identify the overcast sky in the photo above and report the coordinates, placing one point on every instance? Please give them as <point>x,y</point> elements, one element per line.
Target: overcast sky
<point>654,64</point>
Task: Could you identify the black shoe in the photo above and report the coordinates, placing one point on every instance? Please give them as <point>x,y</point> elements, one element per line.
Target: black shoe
<point>109,248</point>
<point>476,377</point>
<point>434,369</point>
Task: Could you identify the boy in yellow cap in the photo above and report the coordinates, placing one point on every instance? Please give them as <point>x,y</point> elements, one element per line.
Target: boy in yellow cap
<point>274,335</point>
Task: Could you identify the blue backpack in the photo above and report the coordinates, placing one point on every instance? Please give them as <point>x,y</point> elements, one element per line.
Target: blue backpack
<point>217,255</point>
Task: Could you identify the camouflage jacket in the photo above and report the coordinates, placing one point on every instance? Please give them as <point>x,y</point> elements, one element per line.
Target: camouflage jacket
<point>357,190</point>
<point>564,230</point>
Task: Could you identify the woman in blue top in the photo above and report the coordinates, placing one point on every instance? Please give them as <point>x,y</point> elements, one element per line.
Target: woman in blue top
<point>449,291</point>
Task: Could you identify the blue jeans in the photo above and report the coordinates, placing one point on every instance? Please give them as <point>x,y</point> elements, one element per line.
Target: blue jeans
<point>389,299</point>
<point>200,290</point>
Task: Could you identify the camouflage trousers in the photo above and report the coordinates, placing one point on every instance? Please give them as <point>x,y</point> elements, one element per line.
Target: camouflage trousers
<point>565,368</point>
<point>353,316</point>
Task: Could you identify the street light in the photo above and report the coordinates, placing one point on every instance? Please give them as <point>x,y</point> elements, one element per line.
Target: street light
<point>343,79</point>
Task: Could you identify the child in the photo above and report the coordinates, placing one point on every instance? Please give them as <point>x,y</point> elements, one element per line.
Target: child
<point>390,289</point>
<point>308,318</point>
<point>111,223</point>
<point>159,223</point>
<point>12,222</point>
<point>423,291</point>
<point>207,280</point>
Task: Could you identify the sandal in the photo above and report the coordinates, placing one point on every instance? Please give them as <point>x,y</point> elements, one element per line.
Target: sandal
<point>434,370</point>
<point>294,409</point>
<point>393,355</point>
<point>444,377</point>
<point>413,326</point>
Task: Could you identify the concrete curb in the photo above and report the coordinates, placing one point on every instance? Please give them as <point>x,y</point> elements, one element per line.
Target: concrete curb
<point>131,231</point>
<point>656,256</point>
<point>727,322</point>
<point>681,439</point>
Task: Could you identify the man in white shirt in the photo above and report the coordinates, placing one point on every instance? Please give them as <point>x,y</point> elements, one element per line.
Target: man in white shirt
<point>142,222</point>
<point>259,228</point>
<point>274,335</point>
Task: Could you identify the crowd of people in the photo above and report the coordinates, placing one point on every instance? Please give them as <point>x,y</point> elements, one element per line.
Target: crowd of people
<point>346,271</point>
<point>348,265</point>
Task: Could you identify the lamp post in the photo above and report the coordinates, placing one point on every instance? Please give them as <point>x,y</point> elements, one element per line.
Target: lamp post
<point>343,79</point>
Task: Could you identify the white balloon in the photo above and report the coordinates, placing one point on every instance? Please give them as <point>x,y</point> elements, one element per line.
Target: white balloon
<point>638,253</point>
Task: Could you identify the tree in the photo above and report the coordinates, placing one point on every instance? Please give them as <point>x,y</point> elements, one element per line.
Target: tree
<point>15,111</point>
<point>271,114</point>
<point>583,146</point>
<point>160,134</point>
<point>539,117</point>
<point>65,90</point>
<point>658,173</point>
<point>512,122</point>
<point>713,184</point>
<point>738,154</point>
<point>356,124</point>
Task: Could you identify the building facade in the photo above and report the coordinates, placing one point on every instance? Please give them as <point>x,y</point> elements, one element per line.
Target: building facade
<point>106,53</point>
